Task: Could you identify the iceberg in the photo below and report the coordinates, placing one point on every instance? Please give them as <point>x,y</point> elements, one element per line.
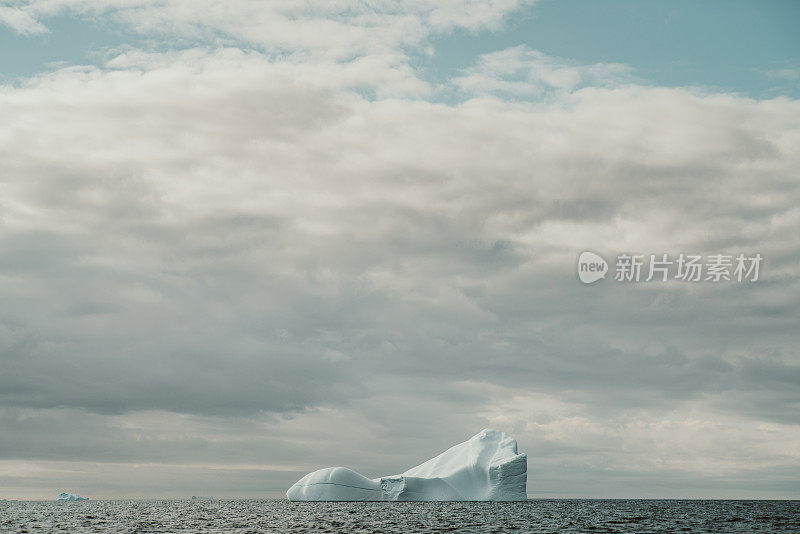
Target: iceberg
<point>486,467</point>
<point>71,497</point>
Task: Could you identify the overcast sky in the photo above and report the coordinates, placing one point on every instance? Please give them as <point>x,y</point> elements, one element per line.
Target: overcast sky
<point>244,240</point>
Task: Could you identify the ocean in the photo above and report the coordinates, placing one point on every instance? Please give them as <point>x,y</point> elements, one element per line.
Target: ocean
<point>281,516</point>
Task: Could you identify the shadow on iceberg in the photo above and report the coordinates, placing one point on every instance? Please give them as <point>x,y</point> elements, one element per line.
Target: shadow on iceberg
<point>486,467</point>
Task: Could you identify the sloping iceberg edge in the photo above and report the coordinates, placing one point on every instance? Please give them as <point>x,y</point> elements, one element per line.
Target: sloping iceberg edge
<point>486,467</point>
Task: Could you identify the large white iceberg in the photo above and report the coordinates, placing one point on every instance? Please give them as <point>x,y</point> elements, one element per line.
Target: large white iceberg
<point>71,497</point>
<point>486,467</point>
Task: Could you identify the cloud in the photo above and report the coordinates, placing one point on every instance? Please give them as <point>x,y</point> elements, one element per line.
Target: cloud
<point>337,29</point>
<point>519,72</point>
<point>20,21</point>
<point>225,257</point>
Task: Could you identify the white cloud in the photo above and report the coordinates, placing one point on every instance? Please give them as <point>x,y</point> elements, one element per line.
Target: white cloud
<point>20,21</point>
<point>336,29</point>
<point>520,72</point>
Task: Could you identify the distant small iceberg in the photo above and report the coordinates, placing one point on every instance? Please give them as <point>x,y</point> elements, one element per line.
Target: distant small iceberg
<point>71,497</point>
<point>199,498</point>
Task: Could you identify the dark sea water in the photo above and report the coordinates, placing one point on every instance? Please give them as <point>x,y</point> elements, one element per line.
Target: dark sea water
<point>540,515</point>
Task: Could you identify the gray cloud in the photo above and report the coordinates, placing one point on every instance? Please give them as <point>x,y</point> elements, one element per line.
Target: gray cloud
<point>219,258</point>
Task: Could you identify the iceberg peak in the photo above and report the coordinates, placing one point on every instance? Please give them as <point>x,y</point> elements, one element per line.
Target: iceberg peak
<point>486,467</point>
